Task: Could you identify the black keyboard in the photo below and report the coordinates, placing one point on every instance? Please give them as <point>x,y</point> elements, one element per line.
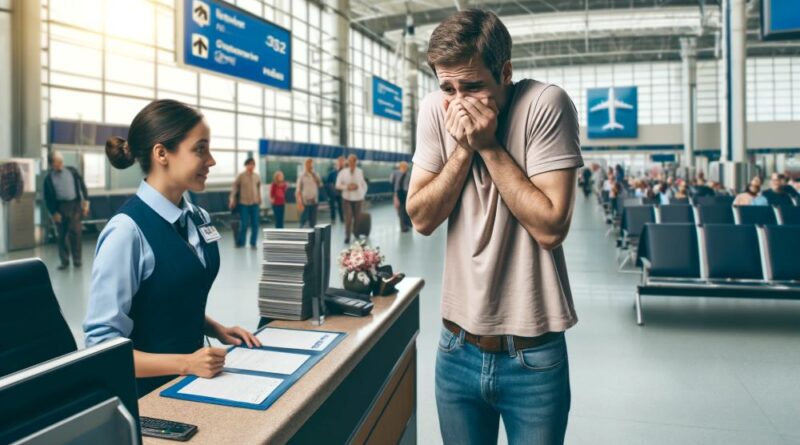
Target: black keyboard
<point>336,292</point>
<point>166,429</point>
<point>347,306</point>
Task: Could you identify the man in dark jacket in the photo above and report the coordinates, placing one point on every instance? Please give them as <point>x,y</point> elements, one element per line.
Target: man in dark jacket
<point>67,200</point>
<point>334,196</point>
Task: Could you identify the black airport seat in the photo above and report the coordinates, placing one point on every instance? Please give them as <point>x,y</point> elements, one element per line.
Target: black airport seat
<point>675,213</point>
<point>716,200</point>
<point>759,215</point>
<point>99,209</point>
<point>782,247</point>
<point>731,252</point>
<point>789,215</point>
<point>714,214</point>
<point>116,202</point>
<point>671,250</point>
<point>32,328</point>
<point>634,218</point>
<point>679,201</point>
<point>218,202</point>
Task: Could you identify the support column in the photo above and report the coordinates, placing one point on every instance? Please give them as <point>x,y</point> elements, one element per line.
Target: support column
<point>689,87</point>
<point>411,76</point>
<point>343,67</point>
<point>26,130</point>
<point>20,108</point>
<point>734,117</point>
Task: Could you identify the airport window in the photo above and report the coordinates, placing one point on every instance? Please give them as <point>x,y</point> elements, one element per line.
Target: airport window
<point>93,71</point>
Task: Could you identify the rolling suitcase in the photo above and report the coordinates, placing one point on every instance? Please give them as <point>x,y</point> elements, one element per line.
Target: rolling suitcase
<point>363,224</point>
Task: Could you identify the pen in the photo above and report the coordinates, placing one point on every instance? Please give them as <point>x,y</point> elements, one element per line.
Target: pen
<point>208,342</point>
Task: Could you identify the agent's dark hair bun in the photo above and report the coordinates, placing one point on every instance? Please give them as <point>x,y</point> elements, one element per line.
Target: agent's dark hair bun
<point>119,153</point>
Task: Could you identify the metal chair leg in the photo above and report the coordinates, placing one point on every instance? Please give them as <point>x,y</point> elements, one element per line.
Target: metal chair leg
<point>638,304</point>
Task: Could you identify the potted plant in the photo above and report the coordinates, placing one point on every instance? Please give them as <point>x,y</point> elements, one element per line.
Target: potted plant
<point>358,266</point>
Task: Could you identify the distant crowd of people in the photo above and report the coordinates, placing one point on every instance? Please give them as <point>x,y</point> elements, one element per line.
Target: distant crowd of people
<point>665,189</point>
<point>345,187</point>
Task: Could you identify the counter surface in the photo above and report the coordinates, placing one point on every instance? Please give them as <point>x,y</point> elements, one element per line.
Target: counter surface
<point>219,424</point>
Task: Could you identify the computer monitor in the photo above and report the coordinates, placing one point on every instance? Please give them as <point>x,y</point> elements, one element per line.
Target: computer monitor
<point>322,260</point>
<point>87,396</point>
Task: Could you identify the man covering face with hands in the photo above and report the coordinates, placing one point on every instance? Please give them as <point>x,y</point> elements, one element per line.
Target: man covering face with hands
<point>497,159</point>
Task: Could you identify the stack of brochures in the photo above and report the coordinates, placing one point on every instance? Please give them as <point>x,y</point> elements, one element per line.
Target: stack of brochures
<point>288,274</point>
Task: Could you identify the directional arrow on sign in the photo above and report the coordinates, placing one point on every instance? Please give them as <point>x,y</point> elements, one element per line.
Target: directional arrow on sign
<point>200,46</point>
<point>201,12</point>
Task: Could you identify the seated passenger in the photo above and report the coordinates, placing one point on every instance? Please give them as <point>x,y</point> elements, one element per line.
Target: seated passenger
<point>777,194</point>
<point>752,195</point>
<point>681,192</point>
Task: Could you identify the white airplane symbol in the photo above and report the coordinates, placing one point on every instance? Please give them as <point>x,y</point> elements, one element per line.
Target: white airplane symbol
<point>611,104</point>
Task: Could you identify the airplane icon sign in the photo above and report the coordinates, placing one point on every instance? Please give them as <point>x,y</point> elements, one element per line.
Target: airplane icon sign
<point>618,125</point>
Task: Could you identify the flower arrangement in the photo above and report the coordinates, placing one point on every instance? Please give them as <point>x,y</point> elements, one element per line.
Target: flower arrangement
<point>360,262</point>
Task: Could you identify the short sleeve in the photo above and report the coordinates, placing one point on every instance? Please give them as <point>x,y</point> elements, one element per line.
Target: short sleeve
<point>429,154</point>
<point>553,141</point>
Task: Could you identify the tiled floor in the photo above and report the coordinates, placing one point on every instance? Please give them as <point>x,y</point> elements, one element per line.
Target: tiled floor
<point>701,371</point>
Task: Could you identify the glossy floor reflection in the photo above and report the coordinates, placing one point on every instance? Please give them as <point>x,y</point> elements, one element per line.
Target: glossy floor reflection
<point>701,371</point>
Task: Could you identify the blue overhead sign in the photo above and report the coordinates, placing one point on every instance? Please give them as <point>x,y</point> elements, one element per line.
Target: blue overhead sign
<point>780,19</point>
<point>612,112</point>
<point>222,38</point>
<point>387,99</point>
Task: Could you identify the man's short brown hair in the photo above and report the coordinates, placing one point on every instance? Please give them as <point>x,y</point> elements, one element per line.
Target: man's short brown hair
<point>466,34</point>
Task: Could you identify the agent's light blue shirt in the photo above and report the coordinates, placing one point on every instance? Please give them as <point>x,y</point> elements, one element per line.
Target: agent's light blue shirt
<point>123,260</point>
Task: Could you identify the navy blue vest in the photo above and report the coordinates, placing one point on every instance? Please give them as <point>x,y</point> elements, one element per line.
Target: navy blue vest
<point>168,311</point>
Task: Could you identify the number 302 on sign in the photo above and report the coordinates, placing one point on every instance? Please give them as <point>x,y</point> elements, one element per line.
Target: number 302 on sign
<point>277,45</point>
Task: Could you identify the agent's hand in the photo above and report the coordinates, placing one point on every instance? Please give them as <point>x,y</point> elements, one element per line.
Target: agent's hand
<point>236,336</point>
<point>352,187</point>
<point>57,218</point>
<point>396,203</point>
<point>231,204</point>
<point>205,362</point>
<point>479,118</point>
<point>85,211</point>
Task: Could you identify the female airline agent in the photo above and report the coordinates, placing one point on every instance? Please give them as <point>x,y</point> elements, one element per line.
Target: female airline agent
<point>154,266</point>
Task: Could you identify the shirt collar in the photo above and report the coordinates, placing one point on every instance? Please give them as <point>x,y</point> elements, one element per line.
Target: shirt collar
<point>163,206</point>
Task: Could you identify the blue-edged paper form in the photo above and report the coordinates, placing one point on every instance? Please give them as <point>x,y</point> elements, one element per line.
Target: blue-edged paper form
<point>280,382</point>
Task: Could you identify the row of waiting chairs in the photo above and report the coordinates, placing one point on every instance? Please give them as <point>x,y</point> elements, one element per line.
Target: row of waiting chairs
<point>634,218</point>
<point>718,260</point>
<point>103,207</point>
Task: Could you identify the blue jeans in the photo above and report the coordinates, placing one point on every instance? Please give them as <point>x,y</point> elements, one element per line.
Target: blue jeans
<point>309,216</point>
<point>278,211</point>
<point>248,215</point>
<point>529,388</point>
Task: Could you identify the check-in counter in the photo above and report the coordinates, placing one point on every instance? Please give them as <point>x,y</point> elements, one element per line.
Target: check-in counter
<point>362,392</point>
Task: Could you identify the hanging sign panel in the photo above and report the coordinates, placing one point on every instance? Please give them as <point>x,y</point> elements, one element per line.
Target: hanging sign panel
<point>387,99</point>
<point>218,37</point>
<point>780,19</point>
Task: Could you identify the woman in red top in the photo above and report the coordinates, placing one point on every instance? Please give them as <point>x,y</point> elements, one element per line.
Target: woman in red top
<point>277,195</point>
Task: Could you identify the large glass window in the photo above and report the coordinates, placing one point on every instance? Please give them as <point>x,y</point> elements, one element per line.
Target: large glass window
<point>368,58</point>
<point>103,60</point>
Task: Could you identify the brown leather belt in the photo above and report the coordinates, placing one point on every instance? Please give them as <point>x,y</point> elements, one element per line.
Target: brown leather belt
<point>499,343</point>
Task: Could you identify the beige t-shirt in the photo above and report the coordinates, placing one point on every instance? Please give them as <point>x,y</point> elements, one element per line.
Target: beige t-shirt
<point>308,187</point>
<point>497,280</point>
<point>248,187</point>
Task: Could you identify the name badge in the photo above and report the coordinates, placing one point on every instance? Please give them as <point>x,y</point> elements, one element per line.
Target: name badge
<point>209,233</point>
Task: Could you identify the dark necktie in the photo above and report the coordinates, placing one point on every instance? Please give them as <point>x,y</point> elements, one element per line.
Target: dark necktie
<point>182,227</point>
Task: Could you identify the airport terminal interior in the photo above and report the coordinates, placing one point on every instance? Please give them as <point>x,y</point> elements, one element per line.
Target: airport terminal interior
<point>681,258</point>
